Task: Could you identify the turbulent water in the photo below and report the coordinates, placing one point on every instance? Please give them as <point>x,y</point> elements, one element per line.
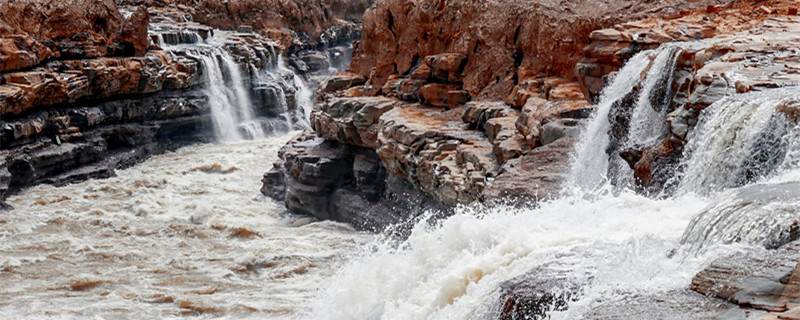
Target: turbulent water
<point>618,248</point>
<point>187,233</point>
<point>183,233</point>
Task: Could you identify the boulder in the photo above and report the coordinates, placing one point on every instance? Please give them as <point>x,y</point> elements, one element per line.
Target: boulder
<point>443,95</point>
<point>436,152</point>
<point>446,67</point>
<point>534,176</point>
<point>351,120</point>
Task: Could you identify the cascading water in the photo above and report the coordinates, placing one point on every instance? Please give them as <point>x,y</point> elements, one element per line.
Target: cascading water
<point>228,96</point>
<point>268,99</point>
<point>611,248</point>
<point>590,165</point>
<point>740,140</point>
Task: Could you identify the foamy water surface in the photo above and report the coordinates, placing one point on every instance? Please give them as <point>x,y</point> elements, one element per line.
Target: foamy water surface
<point>184,233</point>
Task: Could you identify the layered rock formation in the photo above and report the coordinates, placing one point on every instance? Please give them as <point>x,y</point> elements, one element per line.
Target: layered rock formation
<point>89,87</point>
<point>311,22</point>
<point>459,98</point>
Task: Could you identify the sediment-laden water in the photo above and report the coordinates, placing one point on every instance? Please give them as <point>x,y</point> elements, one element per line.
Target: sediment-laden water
<point>184,233</point>
<point>187,233</point>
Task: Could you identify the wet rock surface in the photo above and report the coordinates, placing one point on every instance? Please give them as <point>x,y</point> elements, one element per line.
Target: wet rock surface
<point>537,293</point>
<point>335,181</point>
<point>768,281</point>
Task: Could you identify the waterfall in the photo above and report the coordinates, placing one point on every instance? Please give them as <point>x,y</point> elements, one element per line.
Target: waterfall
<point>274,99</point>
<point>305,97</point>
<point>242,99</point>
<point>222,103</point>
<point>590,162</point>
<point>740,140</point>
<point>738,190</point>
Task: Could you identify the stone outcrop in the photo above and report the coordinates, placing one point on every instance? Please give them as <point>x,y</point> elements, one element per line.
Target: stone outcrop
<point>767,281</point>
<point>70,81</point>
<point>35,31</point>
<point>504,42</point>
<point>340,182</point>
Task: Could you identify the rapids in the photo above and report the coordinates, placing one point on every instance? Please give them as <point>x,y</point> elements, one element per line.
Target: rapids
<point>184,233</point>
<point>603,244</point>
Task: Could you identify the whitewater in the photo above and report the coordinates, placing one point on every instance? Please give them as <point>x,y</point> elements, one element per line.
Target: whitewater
<point>187,233</point>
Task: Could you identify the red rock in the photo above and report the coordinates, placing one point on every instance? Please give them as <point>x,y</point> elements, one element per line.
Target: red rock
<point>68,30</point>
<point>535,176</point>
<point>404,89</point>
<point>499,38</point>
<point>423,72</point>
<point>538,111</point>
<point>313,17</point>
<point>443,95</point>
<point>792,11</point>
<point>341,81</point>
<point>447,66</point>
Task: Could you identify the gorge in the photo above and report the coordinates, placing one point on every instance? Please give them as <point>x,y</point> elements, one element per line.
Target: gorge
<point>449,159</point>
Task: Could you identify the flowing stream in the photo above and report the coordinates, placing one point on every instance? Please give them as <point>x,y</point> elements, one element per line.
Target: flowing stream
<point>187,233</point>
<point>184,233</point>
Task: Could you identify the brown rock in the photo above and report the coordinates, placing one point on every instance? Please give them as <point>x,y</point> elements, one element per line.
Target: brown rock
<point>433,149</point>
<point>402,88</point>
<point>447,66</point>
<point>567,91</point>
<point>69,30</point>
<point>341,81</point>
<point>443,95</point>
<point>764,281</point>
<point>537,111</point>
<point>476,113</point>
<point>352,121</point>
<point>499,38</point>
<point>20,52</point>
<point>423,72</point>
<point>69,81</point>
<point>535,176</point>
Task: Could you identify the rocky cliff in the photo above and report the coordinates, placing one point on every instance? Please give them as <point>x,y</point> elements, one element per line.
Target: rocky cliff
<point>306,22</point>
<point>88,87</point>
<point>475,101</point>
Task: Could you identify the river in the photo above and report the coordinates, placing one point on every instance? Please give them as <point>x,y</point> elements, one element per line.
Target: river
<point>184,233</point>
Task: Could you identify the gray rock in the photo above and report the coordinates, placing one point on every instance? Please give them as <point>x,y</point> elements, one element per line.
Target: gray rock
<point>558,129</point>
